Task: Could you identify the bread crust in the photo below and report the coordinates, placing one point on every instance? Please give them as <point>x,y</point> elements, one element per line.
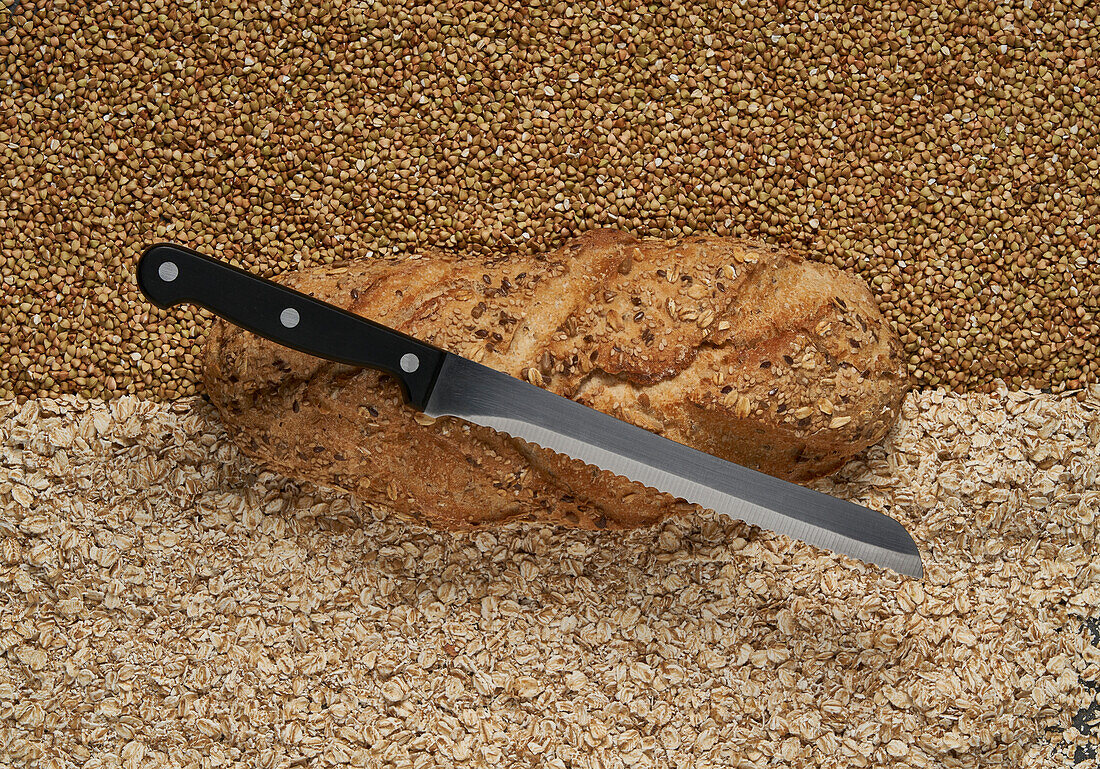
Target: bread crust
<point>742,350</point>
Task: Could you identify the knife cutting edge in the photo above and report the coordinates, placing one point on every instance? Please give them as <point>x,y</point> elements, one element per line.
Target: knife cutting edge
<point>440,383</point>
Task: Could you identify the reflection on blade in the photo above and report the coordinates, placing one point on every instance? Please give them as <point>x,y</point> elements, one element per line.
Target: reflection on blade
<point>479,394</point>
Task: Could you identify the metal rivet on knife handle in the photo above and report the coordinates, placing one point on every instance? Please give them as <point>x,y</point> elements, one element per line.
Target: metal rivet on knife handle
<point>289,317</point>
<point>168,271</point>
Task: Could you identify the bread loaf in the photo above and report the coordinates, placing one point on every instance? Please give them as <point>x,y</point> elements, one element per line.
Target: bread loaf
<point>742,350</point>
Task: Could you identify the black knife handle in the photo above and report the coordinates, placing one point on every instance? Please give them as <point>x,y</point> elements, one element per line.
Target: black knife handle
<point>169,274</point>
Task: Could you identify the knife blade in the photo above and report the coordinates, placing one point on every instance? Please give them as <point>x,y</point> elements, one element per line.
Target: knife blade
<point>440,383</point>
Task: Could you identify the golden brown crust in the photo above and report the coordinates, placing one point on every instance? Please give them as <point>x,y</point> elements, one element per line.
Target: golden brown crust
<point>741,350</point>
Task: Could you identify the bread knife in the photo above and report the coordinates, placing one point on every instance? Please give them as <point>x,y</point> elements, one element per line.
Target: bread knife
<point>440,383</point>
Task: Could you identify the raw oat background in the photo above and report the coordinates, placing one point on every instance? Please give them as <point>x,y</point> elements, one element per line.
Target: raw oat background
<point>165,602</point>
<point>947,153</point>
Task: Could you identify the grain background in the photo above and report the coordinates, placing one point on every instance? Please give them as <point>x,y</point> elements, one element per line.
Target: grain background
<point>167,602</point>
<point>947,153</point>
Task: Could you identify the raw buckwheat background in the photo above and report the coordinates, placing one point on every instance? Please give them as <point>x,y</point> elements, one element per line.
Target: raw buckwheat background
<point>947,153</point>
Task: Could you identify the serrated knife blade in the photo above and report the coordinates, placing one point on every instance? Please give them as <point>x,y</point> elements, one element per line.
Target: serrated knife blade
<point>482,395</point>
<point>443,384</point>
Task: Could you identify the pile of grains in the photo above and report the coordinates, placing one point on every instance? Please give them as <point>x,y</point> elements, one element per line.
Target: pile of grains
<point>167,602</point>
<point>947,153</point>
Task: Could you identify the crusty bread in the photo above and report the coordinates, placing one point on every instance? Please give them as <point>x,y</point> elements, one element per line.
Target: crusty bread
<point>742,350</point>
